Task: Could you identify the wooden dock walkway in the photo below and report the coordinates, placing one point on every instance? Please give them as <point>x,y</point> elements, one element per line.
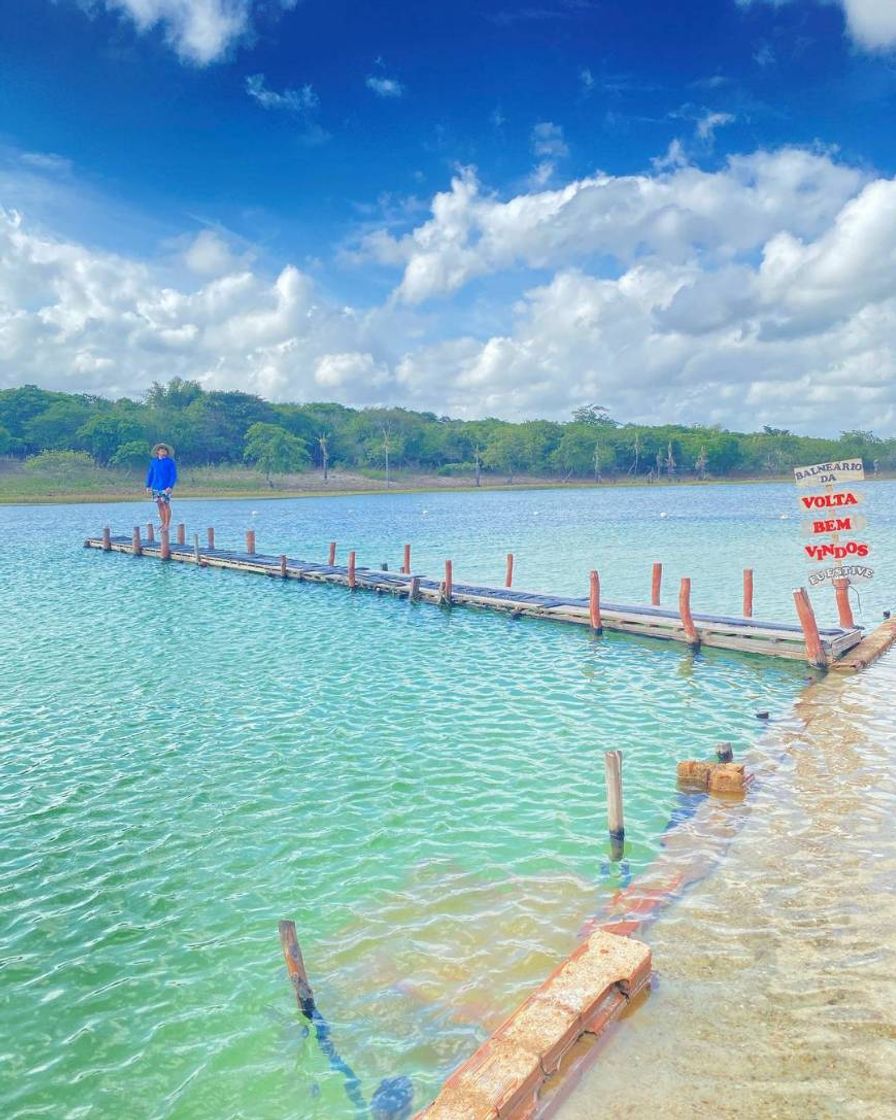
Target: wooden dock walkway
<point>776,639</point>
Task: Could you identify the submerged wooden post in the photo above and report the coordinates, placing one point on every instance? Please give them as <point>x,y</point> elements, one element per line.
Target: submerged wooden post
<point>283,565</point>
<point>352,582</point>
<point>414,589</point>
<point>107,539</point>
<point>684,610</point>
<point>748,592</point>
<point>449,581</point>
<point>655,584</point>
<point>331,555</point>
<point>615,820</point>
<point>135,541</point>
<point>594,603</point>
<point>210,535</point>
<point>406,563</point>
<point>196,555</point>
<point>181,533</point>
<point>844,610</point>
<point>165,545</point>
<point>508,578</point>
<point>295,966</point>
<point>250,542</point>
<point>150,533</point>
<point>814,649</point>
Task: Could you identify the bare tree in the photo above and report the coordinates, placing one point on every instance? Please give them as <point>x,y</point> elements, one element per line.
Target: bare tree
<point>597,475</point>
<point>324,454</point>
<point>670,461</point>
<point>477,459</point>
<point>636,447</point>
<point>387,447</point>
<point>700,464</point>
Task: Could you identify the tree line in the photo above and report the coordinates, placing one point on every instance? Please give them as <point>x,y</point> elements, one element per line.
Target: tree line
<point>221,427</point>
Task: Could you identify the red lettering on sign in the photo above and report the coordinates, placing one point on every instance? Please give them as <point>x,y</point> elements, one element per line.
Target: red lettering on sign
<point>836,551</point>
<point>829,501</point>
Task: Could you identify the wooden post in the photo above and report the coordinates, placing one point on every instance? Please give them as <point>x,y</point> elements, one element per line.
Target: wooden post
<point>414,589</point>
<point>107,539</point>
<point>150,533</point>
<point>283,565</point>
<point>181,533</point>
<point>352,582</point>
<point>655,584</point>
<point>684,609</point>
<point>615,820</point>
<point>331,556</point>
<point>210,534</point>
<point>406,564</point>
<point>250,542</point>
<point>196,555</point>
<point>594,603</point>
<point>165,545</point>
<point>844,610</point>
<point>295,966</point>
<point>748,592</point>
<point>135,542</point>
<point>449,581</point>
<point>814,649</point>
<point>508,578</point>
<point>724,752</point>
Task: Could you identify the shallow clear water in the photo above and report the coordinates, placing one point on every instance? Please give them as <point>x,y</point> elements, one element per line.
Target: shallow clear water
<point>188,756</point>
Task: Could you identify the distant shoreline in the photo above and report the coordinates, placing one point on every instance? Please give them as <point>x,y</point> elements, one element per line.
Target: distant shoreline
<point>354,485</point>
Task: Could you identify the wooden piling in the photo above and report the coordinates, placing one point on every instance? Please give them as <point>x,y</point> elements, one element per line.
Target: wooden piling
<point>414,589</point>
<point>331,555</point>
<point>814,650</point>
<point>724,752</point>
<point>656,581</point>
<point>594,603</point>
<point>352,581</point>
<point>684,610</point>
<point>449,582</point>
<point>615,819</point>
<point>250,542</point>
<point>150,533</point>
<point>210,537</point>
<point>197,556</point>
<point>844,609</point>
<point>748,593</point>
<point>165,545</point>
<point>508,578</point>
<point>107,539</point>
<point>181,533</point>
<point>295,967</point>
<point>283,565</point>
<point>136,546</point>
<point>406,563</point>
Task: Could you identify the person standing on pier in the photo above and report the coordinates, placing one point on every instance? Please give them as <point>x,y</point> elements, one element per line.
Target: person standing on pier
<point>161,479</point>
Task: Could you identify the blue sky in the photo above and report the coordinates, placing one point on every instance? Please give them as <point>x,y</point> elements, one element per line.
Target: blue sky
<point>684,212</point>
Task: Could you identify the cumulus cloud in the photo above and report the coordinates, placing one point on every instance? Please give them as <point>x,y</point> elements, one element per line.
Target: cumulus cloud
<point>200,31</point>
<point>870,23</point>
<point>762,292</point>
<point>385,87</point>
<point>299,101</point>
<point>709,122</point>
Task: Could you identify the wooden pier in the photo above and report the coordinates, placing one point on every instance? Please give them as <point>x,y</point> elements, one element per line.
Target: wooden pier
<point>798,641</point>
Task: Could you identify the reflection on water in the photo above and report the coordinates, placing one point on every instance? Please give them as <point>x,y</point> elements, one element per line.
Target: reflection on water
<point>777,974</point>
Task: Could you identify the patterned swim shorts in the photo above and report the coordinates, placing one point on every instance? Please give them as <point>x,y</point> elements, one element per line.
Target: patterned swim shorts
<point>161,496</point>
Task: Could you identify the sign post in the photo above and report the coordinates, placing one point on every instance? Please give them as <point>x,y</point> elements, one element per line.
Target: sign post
<point>830,508</point>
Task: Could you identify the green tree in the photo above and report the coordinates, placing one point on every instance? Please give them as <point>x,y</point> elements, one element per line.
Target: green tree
<point>131,455</point>
<point>102,435</point>
<point>274,450</point>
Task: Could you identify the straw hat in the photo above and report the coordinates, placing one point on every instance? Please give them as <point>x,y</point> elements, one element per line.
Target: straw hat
<point>167,447</point>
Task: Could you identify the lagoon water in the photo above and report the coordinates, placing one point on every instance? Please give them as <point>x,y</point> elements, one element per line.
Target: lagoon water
<point>188,756</point>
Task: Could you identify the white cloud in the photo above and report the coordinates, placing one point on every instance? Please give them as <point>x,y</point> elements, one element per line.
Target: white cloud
<point>385,87</point>
<point>298,101</point>
<point>871,23</point>
<point>762,292</point>
<point>200,31</point>
<point>547,140</point>
<point>709,122</point>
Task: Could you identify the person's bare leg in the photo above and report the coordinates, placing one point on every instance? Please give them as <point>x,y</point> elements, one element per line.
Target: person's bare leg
<point>166,514</point>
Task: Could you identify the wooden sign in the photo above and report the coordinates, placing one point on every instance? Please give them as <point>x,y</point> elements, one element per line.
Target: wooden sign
<point>841,500</point>
<point>855,573</point>
<point>838,523</point>
<point>821,474</point>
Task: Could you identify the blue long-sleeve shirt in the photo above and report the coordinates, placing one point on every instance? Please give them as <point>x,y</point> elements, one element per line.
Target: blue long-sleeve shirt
<point>162,474</point>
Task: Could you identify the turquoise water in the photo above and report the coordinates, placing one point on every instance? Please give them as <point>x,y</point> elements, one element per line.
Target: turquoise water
<point>188,756</point>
